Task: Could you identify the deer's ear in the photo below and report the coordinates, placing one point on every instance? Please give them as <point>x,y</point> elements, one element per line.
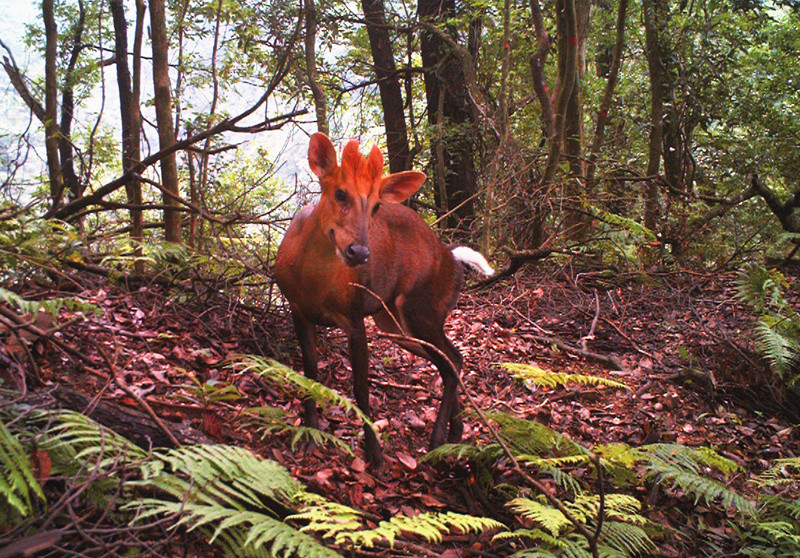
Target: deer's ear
<point>321,155</point>
<point>399,186</point>
<point>375,164</point>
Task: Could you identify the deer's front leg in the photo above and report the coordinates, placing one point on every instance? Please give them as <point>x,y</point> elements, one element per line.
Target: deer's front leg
<point>307,337</point>
<point>359,360</point>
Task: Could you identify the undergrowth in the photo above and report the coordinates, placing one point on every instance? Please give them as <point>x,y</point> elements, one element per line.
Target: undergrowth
<point>244,505</point>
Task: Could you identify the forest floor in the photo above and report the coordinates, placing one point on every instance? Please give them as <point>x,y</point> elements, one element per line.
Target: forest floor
<point>682,339</point>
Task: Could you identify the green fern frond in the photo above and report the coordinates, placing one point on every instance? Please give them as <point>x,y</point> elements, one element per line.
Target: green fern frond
<point>89,442</point>
<point>709,458</point>
<point>776,507</point>
<point>463,452</point>
<point>625,539</point>
<point>533,438</point>
<point>237,498</point>
<point>51,306</point>
<point>547,378</point>
<point>617,461</point>
<point>18,486</point>
<point>430,526</point>
<point>784,471</point>
<point>271,420</point>
<point>281,375</point>
<point>681,466</point>
<point>759,287</point>
<point>621,222</point>
<point>559,462</point>
<point>327,518</point>
<point>543,515</point>
<point>781,351</point>
<point>546,544</point>
<point>263,530</point>
<point>230,474</point>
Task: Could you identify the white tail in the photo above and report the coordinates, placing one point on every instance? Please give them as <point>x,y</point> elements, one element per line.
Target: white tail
<point>473,259</point>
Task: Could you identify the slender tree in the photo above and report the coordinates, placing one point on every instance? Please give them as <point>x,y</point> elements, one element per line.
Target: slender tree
<point>51,105</point>
<point>72,182</point>
<point>166,130</point>
<point>611,76</point>
<point>650,10</point>
<point>312,75</point>
<point>394,119</point>
<point>129,123</point>
<point>453,149</point>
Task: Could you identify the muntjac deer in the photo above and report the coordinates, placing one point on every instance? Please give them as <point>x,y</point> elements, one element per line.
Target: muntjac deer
<point>358,252</point>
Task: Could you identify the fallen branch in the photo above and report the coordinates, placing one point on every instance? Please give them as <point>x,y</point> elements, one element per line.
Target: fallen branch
<point>567,348</point>
<point>516,259</point>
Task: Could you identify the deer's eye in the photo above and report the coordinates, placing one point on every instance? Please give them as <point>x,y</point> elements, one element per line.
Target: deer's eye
<point>340,195</point>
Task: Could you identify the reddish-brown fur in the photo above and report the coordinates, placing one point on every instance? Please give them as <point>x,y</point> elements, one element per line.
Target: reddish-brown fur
<point>357,253</point>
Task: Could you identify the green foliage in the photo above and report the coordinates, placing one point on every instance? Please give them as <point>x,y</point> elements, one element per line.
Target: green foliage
<point>207,393</point>
<point>547,378</point>
<point>238,499</point>
<point>429,526</point>
<point>685,472</point>
<point>160,255</point>
<point>29,244</point>
<point>681,468</point>
<point>19,489</point>
<point>243,504</point>
<point>777,333</point>
<point>272,420</point>
<point>283,377</point>
<point>51,306</point>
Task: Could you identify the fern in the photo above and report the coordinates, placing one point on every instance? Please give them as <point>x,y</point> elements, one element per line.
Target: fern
<point>681,466</point>
<point>534,438</point>
<point>777,333</point>
<point>282,376</point>
<point>430,526</point>
<point>325,517</point>
<point>622,534</point>
<point>19,488</point>
<point>784,472</point>
<point>271,420</point>
<point>251,531</point>
<point>546,378</point>
<point>52,306</point>
<point>781,351</point>
<point>463,452</point>
<point>543,515</point>
<point>86,442</point>
<point>239,500</point>
<point>621,222</point>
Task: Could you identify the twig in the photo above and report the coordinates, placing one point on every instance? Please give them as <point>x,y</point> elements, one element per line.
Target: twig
<point>144,404</point>
<point>590,335</point>
<point>566,347</point>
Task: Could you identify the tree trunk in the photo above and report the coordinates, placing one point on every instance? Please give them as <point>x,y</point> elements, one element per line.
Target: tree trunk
<point>656,72</point>
<point>537,63</point>
<point>137,224</point>
<point>575,223</point>
<point>166,130</point>
<point>567,72</point>
<point>71,181</point>
<point>320,103</point>
<point>445,86</point>
<point>130,150</point>
<point>51,105</point>
<point>605,104</point>
<point>385,71</point>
